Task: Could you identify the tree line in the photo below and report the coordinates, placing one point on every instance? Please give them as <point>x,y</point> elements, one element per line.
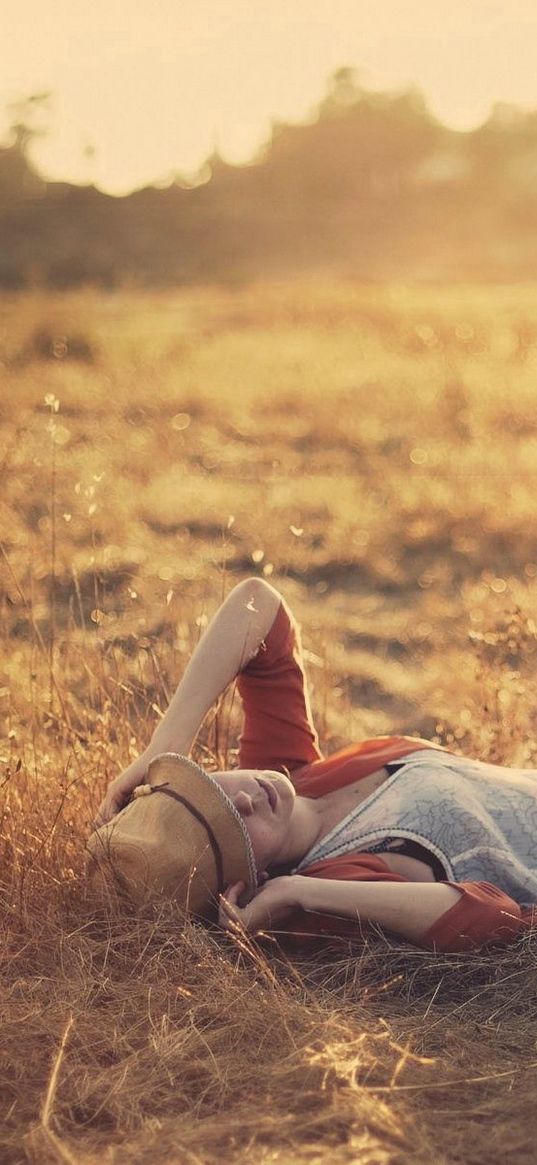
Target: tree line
<point>373,186</point>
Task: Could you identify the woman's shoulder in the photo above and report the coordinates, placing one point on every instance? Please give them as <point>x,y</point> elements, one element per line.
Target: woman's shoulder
<point>353,762</point>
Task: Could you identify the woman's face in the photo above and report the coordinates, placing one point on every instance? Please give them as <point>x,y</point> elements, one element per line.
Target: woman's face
<point>265,802</point>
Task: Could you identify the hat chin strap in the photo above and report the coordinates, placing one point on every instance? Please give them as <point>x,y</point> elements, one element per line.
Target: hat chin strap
<point>217,852</point>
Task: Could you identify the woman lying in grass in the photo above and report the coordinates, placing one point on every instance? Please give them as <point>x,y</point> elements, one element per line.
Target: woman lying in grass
<point>434,847</point>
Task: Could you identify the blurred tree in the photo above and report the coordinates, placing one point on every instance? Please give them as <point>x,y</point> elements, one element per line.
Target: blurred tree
<point>343,89</point>
<point>27,119</point>
<point>504,152</point>
<point>371,183</point>
<point>18,178</point>
<point>89,154</point>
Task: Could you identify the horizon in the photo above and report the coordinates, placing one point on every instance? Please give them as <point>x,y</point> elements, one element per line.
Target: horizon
<point>139,99</point>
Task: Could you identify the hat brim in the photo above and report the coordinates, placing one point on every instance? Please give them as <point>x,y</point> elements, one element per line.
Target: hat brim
<point>180,837</point>
<point>171,772</point>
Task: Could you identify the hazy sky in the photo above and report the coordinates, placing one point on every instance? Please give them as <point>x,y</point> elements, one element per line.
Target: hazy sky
<point>154,85</point>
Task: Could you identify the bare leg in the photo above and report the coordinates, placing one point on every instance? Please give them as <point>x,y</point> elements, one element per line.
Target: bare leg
<point>231,640</point>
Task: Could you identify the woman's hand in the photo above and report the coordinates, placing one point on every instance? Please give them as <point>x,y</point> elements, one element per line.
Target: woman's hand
<point>120,791</point>
<point>277,898</point>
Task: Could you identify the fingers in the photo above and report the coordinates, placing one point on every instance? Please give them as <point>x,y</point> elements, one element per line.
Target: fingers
<point>107,810</point>
<point>119,793</point>
<point>100,817</point>
<point>227,919</point>
<point>233,893</point>
<point>104,814</point>
<point>229,913</point>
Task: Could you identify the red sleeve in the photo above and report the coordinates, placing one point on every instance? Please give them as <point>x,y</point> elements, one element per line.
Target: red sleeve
<point>278,730</point>
<point>483,914</point>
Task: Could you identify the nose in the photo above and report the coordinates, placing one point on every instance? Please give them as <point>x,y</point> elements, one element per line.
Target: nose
<point>243,802</point>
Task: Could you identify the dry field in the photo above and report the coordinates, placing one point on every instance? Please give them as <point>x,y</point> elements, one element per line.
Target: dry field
<point>373,452</point>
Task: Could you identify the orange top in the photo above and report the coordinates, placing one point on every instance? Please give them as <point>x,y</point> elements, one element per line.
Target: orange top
<point>279,734</point>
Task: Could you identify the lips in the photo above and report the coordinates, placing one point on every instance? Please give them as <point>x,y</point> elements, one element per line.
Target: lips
<point>271,793</point>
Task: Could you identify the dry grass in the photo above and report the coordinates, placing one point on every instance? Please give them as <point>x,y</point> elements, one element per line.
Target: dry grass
<point>373,452</point>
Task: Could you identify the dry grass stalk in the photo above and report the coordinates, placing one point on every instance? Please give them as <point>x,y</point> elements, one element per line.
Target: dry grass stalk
<point>129,1040</point>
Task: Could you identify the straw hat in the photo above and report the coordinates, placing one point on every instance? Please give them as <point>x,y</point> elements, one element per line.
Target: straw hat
<point>180,837</point>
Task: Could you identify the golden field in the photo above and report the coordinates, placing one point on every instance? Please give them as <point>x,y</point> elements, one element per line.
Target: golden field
<point>372,451</point>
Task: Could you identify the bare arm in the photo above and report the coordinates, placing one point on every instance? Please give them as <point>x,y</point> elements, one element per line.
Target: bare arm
<point>232,638</point>
<point>408,909</point>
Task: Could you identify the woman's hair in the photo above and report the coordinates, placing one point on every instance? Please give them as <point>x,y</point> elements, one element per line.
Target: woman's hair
<point>282,871</point>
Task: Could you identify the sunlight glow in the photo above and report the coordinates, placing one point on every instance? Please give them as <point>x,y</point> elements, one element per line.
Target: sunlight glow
<point>142,93</point>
